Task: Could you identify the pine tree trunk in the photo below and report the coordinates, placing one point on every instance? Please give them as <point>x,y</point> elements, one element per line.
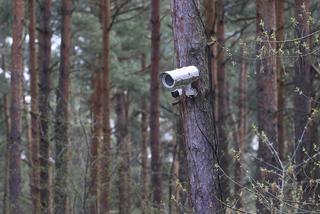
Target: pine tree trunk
<point>106,146</point>
<point>155,105</point>
<point>266,97</point>
<point>242,130</point>
<point>61,117</point>
<point>96,111</point>
<point>44,94</point>
<point>123,142</point>
<point>7,128</point>
<point>35,170</point>
<point>15,109</point>
<point>302,105</point>
<point>280,19</point>
<point>190,46</point>
<point>222,98</point>
<point>144,149</point>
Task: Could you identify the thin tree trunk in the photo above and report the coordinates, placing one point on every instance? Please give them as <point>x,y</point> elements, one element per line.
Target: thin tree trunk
<point>302,105</point>
<point>104,157</point>
<point>280,19</point>
<point>266,98</point>
<point>35,167</point>
<point>15,109</point>
<point>96,109</point>
<point>44,94</point>
<point>201,147</point>
<point>242,130</point>
<point>61,126</point>
<point>154,105</point>
<point>123,142</point>
<point>144,148</point>
<point>6,164</point>
<point>222,98</point>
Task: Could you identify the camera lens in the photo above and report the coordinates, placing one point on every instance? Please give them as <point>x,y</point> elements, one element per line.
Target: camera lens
<point>168,80</point>
<point>175,93</point>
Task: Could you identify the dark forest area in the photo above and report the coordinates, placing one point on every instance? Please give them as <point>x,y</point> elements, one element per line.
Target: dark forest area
<point>149,106</point>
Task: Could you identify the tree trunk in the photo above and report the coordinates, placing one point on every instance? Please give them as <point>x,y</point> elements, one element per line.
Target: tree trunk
<point>44,94</point>
<point>266,97</point>
<point>35,167</point>
<point>96,139</point>
<point>222,98</point>
<point>15,108</point>
<point>7,144</point>
<point>154,105</point>
<point>302,105</point>
<point>144,149</point>
<point>106,146</point>
<point>61,123</point>
<point>201,147</point>
<point>242,130</point>
<point>280,19</point>
<point>123,142</point>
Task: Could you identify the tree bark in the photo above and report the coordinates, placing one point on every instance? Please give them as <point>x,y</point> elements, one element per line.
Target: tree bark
<point>196,112</point>
<point>222,98</point>
<point>155,105</point>
<point>35,167</point>
<point>106,146</point>
<point>267,97</point>
<point>15,108</point>
<point>302,105</point>
<point>61,123</point>
<point>123,141</point>
<point>7,144</point>
<point>44,105</point>
<point>242,129</point>
<point>96,109</point>
<point>144,148</point>
<point>280,19</point>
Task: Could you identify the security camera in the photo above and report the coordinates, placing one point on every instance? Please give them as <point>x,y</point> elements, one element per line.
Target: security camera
<point>180,80</point>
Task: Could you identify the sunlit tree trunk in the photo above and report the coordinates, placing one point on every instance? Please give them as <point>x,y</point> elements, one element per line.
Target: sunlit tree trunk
<point>267,97</point>
<point>155,104</point>
<point>61,116</point>
<point>104,157</point>
<point>35,168</point>
<point>197,119</point>
<point>15,109</point>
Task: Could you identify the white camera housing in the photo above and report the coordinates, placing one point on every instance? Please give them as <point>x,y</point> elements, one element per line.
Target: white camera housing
<point>180,80</point>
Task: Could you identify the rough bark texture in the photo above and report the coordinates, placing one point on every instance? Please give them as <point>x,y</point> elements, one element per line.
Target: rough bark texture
<point>190,46</point>
<point>266,95</point>
<point>44,94</point>
<point>155,105</point>
<point>302,105</point>
<point>35,167</point>
<point>123,141</point>
<point>242,130</point>
<point>96,111</point>
<point>106,146</point>
<point>280,19</point>
<point>61,117</point>
<point>15,108</point>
